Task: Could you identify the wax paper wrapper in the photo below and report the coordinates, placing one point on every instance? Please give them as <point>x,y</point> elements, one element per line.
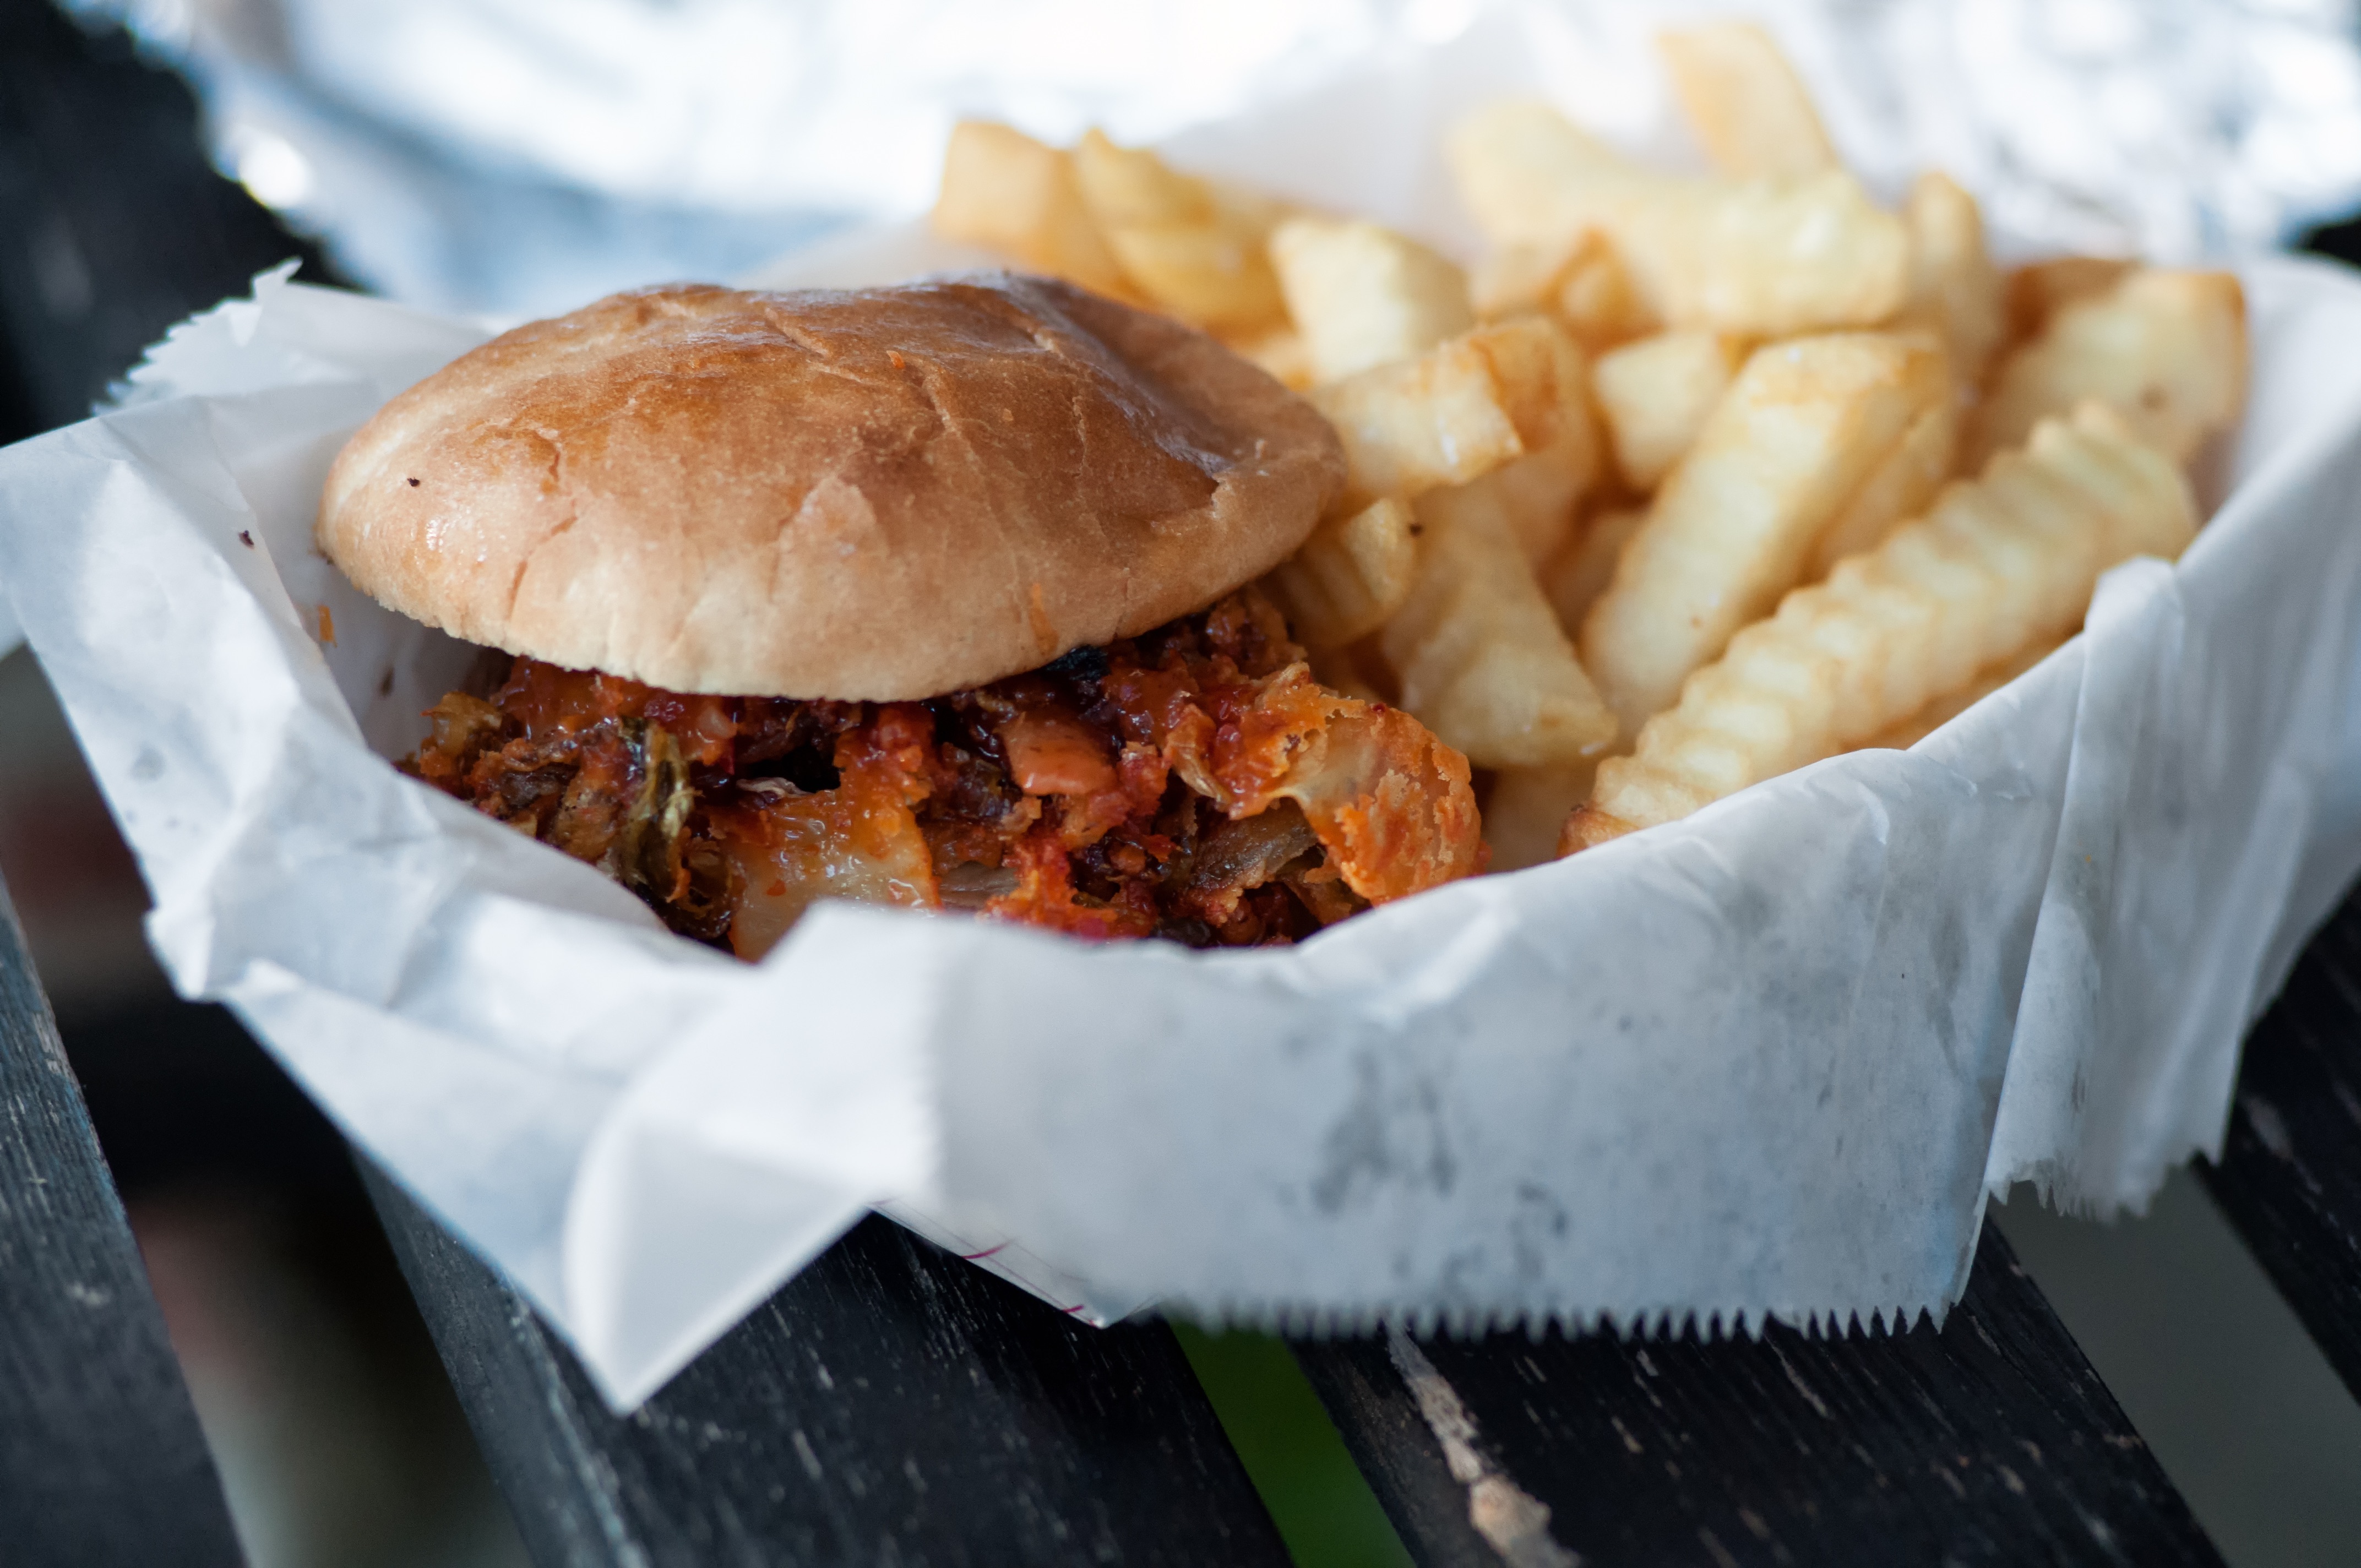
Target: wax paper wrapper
<point>1766,1062</point>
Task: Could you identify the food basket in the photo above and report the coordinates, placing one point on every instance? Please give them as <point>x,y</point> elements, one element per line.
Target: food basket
<point>1766,1062</point>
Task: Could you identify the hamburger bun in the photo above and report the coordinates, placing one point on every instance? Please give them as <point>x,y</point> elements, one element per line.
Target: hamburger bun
<point>885,494</point>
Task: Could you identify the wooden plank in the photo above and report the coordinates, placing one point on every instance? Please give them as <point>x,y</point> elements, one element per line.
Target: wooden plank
<point>100,1460</point>
<point>2289,1177</point>
<point>889,1404</point>
<point>1992,1442</point>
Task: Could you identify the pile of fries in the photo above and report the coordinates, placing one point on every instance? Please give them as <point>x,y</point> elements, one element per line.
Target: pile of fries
<point>1691,480</point>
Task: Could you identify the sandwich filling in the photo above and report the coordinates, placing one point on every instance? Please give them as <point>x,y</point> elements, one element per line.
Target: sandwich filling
<point>1193,783</point>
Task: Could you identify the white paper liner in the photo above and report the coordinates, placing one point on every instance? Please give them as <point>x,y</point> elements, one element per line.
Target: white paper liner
<point>1764,1061</point>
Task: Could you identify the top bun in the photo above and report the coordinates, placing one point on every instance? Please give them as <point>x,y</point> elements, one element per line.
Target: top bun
<point>887,494</point>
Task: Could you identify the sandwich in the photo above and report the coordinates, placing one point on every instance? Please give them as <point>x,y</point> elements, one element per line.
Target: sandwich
<point>939,596</point>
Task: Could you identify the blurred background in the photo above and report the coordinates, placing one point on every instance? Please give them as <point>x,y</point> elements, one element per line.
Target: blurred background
<point>510,157</point>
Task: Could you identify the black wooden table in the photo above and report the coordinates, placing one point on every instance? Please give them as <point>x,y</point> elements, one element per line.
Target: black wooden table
<point>895,1405</point>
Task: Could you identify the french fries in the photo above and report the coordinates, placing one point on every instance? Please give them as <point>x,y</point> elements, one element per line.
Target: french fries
<point>1461,409</point>
<point>2000,564</point>
<point>1280,351</point>
<point>2165,350</point>
<point>1899,487</point>
<point>1805,427</point>
<point>1744,101</point>
<point>1362,295</point>
<point>1117,220</point>
<point>1523,279</point>
<point>1527,810</point>
<point>1585,565</point>
<point>1350,576</point>
<point>1541,492</point>
<point>1212,273</point>
<point>1005,192</point>
<point>1533,180</point>
<point>1762,386</point>
<point>1596,299</point>
<point>1123,186</point>
<point>1435,420</point>
<point>1763,258</point>
<point>1544,382</point>
<point>1579,279</point>
<point>1904,733</point>
<point>1210,265</point>
<point>1481,659</point>
<point>2039,290</point>
<point>1955,290</point>
<point>1655,396</point>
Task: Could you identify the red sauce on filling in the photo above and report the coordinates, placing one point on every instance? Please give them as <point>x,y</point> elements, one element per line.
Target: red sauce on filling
<point>1193,783</point>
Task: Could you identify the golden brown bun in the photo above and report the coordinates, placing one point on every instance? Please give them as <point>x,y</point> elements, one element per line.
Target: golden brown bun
<point>887,494</point>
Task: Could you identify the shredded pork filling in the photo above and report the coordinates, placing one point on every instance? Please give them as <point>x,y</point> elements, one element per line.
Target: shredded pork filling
<point>1193,782</point>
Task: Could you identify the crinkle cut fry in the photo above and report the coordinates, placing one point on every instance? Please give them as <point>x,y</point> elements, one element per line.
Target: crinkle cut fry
<point>1997,564</point>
